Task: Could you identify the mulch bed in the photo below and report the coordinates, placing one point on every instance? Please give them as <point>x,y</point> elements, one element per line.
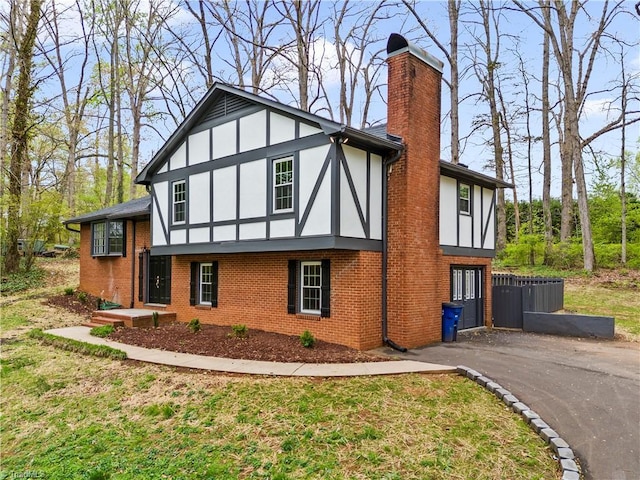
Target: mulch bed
<point>218,341</point>
<point>82,306</point>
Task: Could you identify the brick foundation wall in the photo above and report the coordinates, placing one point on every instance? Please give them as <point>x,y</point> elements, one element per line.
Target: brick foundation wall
<point>110,277</point>
<point>252,290</point>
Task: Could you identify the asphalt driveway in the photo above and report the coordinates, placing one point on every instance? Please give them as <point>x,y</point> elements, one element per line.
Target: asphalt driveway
<point>587,390</point>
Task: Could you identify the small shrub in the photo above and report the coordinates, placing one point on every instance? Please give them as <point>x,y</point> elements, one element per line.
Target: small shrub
<point>102,332</point>
<point>155,317</point>
<point>68,291</point>
<point>194,325</point>
<point>239,331</point>
<point>82,297</point>
<point>307,339</point>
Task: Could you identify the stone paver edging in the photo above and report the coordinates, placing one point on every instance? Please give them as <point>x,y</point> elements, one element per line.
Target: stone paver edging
<point>566,457</point>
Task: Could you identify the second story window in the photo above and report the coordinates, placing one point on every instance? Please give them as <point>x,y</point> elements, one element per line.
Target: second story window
<point>179,202</point>
<point>283,184</point>
<point>464,195</point>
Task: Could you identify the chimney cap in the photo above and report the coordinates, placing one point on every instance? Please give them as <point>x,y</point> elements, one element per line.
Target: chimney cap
<point>397,44</point>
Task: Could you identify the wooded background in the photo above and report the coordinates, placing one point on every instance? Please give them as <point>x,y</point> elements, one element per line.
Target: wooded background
<point>90,88</point>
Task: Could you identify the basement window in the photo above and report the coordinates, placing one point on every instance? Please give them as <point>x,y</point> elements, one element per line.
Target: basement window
<point>107,239</point>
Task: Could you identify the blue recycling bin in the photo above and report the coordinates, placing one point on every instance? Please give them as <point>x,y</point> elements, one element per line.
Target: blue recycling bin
<point>450,316</point>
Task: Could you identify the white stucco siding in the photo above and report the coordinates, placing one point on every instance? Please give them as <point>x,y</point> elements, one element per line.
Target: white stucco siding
<point>477,216</point>
<point>224,233</point>
<point>253,189</point>
<point>253,131</point>
<point>448,211</point>
<point>282,228</point>
<point>357,163</point>
<point>375,198</point>
<point>199,147</point>
<point>489,219</point>
<point>164,168</point>
<point>159,213</point>
<point>307,130</point>
<point>224,139</point>
<point>179,158</point>
<point>199,235</point>
<point>310,165</point>
<point>252,231</point>
<point>350,224</point>
<point>178,237</point>
<point>224,194</point>
<point>465,225</point>
<point>200,198</point>
<point>281,128</point>
<point>319,220</point>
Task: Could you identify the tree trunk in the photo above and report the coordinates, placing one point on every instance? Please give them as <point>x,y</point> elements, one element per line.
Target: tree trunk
<point>546,155</point>
<point>20,137</point>
<point>453,7</point>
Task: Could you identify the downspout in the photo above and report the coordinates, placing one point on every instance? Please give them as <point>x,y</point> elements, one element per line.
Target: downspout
<point>67,227</point>
<point>133,264</point>
<point>385,227</point>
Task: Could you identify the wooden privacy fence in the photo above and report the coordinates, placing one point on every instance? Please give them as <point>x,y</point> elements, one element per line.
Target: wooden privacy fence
<point>512,295</point>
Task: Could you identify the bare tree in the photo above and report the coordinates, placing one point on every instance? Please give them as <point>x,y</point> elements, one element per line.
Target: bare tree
<point>74,89</point>
<point>559,20</point>
<point>303,17</point>
<point>142,38</point>
<point>488,41</point>
<point>451,55</point>
<point>546,153</point>
<point>20,131</point>
<point>357,64</point>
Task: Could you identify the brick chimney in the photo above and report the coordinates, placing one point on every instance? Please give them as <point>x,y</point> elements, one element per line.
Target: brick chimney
<point>414,305</point>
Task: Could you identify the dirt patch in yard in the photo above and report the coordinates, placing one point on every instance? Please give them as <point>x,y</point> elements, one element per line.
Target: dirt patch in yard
<point>218,341</point>
<point>78,302</point>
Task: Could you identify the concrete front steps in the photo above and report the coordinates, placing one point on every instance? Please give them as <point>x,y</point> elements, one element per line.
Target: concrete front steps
<point>128,317</point>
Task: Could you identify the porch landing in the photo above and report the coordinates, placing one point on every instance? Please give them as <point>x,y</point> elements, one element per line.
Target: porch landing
<point>129,317</point>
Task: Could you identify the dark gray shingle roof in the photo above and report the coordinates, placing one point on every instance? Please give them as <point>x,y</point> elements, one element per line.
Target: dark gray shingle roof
<point>139,207</point>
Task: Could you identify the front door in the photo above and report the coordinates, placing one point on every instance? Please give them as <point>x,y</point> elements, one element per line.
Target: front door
<point>160,280</point>
<point>466,289</point>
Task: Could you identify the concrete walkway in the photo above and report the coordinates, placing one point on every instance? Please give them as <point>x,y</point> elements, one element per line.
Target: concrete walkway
<point>253,367</point>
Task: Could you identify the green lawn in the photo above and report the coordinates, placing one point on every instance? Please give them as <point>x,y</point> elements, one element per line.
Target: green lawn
<point>619,302</point>
<point>68,416</point>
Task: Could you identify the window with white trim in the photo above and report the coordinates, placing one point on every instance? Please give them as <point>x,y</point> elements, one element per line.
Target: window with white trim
<point>311,283</point>
<point>283,184</point>
<point>464,195</point>
<point>107,238</point>
<point>309,287</point>
<point>179,202</point>
<point>206,283</point>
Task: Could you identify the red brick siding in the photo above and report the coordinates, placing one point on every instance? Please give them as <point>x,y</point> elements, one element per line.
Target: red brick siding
<point>253,291</point>
<point>110,277</point>
<point>414,277</point>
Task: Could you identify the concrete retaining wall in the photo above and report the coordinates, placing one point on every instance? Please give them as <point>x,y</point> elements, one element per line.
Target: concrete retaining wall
<point>573,325</point>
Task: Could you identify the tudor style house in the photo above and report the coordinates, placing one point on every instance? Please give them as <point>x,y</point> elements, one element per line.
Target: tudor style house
<point>265,215</point>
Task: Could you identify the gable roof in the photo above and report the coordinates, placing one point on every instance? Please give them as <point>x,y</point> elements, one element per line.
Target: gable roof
<point>139,207</point>
<point>222,99</point>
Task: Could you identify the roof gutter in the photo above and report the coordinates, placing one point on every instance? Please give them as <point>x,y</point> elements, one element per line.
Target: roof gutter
<point>67,227</point>
<point>385,257</point>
